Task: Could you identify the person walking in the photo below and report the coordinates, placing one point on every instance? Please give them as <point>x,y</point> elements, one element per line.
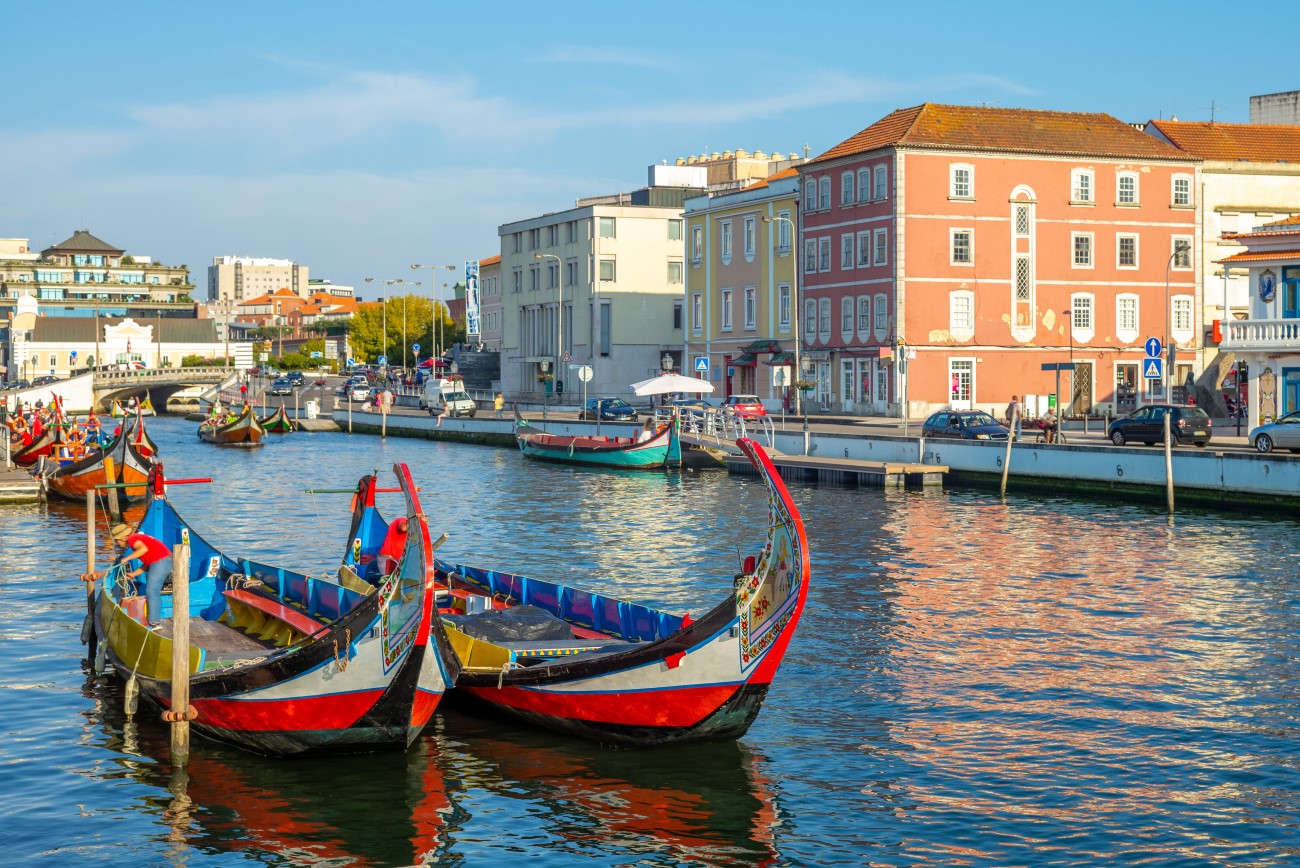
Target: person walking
<point>1014,412</point>
<point>155,560</point>
<point>499,404</point>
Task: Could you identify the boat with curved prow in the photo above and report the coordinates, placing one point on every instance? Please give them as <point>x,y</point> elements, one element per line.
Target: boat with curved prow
<point>662,448</point>
<point>283,663</point>
<point>244,430</point>
<point>624,674</point>
<point>132,460</point>
<point>278,422</point>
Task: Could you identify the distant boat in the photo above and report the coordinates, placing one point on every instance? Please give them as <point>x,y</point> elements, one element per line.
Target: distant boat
<point>278,422</point>
<point>243,431</point>
<point>132,454</point>
<point>662,448</point>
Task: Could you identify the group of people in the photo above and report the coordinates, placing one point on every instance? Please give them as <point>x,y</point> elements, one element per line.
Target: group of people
<point>28,424</point>
<point>1048,422</point>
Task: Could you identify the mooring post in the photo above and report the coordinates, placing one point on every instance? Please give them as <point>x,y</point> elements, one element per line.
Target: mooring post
<point>179,716</point>
<point>1006,461</point>
<point>349,397</point>
<point>110,476</point>
<point>1169,465</point>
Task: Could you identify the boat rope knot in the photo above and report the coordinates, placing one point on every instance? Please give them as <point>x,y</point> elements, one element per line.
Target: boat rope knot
<point>91,578</point>
<point>509,664</point>
<point>343,661</point>
<point>172,716</point>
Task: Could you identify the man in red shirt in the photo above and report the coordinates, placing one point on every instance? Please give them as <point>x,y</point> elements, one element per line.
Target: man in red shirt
<point>393,548</point>
<point>156,562</point>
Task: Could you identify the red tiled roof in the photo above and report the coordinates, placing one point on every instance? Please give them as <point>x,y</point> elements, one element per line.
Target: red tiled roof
<point>1260,256</point>
<point>790,172</point>
<point>491,260</point>
<point>980,128</point>
<point>1254,143</point>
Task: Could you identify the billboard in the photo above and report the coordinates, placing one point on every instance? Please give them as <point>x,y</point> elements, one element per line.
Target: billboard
<point>472,330</point>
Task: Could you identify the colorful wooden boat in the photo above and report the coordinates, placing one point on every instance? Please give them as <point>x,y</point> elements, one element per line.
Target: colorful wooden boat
<point>243,431</point>
<point>27,456</point>
<point>278,422</point>
<point>132,461</point>
<point>625,674</point>
<point>283,663</point>
<point>661,449</point>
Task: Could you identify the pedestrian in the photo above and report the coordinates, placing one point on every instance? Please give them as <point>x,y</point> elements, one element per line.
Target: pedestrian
<point>155,560</point>
<point>499,404</point>
<point>243,392</point>
<point>1014,412</point>
<point>1049,425</point>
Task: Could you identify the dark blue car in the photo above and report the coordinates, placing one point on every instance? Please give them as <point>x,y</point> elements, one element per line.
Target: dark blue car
<point>964,425</point>
<point>608,409</point>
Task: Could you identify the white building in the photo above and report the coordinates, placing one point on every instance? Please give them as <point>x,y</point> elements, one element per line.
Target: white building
<point>239,278</point>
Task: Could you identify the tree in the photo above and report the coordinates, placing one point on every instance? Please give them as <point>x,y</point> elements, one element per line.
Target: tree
<point>367,332</point>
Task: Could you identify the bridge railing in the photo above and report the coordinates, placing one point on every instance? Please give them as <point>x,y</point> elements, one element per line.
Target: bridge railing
<point>161,374</point>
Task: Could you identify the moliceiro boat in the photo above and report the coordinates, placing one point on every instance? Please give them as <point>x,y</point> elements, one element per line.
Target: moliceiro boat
<point>624,674</point>
<point>243,430</point>
<point>131,456</point>
<point>653,449</point>
<point>278,422</point>
<point>280,662</point>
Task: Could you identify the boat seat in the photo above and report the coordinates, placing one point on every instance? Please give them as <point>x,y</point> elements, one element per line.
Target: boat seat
<point>267,619</point>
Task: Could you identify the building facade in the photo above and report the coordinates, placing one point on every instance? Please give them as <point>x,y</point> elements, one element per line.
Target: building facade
<point>489,284</point>
<point>239,278</point>
<point>741,289</point>
<point>953,256</point>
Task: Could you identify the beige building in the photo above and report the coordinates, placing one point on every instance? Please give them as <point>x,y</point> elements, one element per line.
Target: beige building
<point>742,290</point>
<point>489,293</point>
<point>240,278</point>
<point>84,271</point>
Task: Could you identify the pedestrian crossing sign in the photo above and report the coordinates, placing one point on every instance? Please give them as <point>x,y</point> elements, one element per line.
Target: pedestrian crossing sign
<point>702,364</point>
<point>1153,369</point>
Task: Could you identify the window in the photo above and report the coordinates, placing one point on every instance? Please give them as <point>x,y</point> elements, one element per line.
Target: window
<point>518,242</point>
<point>571,272</point>
<point>1081,185</point>
<point>1022,221</point>
<point>697,244</point>
<point>1182,253</point>
<point>961,314</point>
<point>552,235</point>
<point>534,278</point>
<point>725,309</point>
<point>864,317</point>
<point>1182,191</point>
<point>846,252</point>
<point>607,227</point>
<point>534,238</point>
<point>882,246</point>
<point>677,315</point>
<point>518,280</point>
<point>552,275</point>
<point>783,306</point>
<point>810,256</point>
<point>607,270</point>
<point>846,189</point>
<point>881,325</point>
<point>751,239</point>
<point>697,312</point>
<point>824,193</point>
<point>725,228</point>
<point>783,225</point>
<point>809,319</point>
<point>1127,189</point>
<point>1081,242</point>
<point>674,272</point>
<point>864,185</point>
<point>961,246</point>
<point>674,230</point>
<point>882,183</point>
<point>572,233</point>
<point>864,249</point>
<point>1126,251</point>
<point>751,307</point>
<point>809,194</point>
<point>1081,319</point>
<point>823,254</point>
<point>846,319</point>
<point>961,182</point>
<point>1182,314</point>
<point>1126,318</point>
<point>824,319</point>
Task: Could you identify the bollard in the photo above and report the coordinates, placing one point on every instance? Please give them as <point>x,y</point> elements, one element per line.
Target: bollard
<point>1169,465</point>
<point>180,717</point>
<point>1006,461</point>
<point>110,476</point>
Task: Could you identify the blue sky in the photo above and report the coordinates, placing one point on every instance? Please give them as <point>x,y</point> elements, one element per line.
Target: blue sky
<point>359,138</point>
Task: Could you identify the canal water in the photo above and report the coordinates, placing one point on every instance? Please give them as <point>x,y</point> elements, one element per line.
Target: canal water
<point>974,683</point>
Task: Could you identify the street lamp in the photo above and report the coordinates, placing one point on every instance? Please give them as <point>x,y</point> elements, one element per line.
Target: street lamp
<point>1180,247</point>
<point>437,300</point>
<point>796,321</point>
<point>805,370</point>
<point>1069,327</point>
<point>559,315</point>
<point>545,366</point>
<point>389,284</point>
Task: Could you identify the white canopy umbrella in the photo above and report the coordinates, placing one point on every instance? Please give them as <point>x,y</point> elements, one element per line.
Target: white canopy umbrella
<point>667,383</point>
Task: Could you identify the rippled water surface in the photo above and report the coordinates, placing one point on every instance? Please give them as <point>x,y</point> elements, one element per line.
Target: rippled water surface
<point>974,683</point>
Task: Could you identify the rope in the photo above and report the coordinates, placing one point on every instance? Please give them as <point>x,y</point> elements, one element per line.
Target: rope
<point>342,663</point>
<point>509,664</point>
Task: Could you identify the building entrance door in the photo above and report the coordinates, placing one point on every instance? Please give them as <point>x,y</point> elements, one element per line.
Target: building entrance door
<point>961,375</point>
<point>1126,388</point>
<point>1081,395</point>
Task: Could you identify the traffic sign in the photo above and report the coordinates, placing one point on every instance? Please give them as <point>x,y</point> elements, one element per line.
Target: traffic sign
<point>383,360</point>
<point>316,354</point>
<point>584,373</point>
<point>567,357</point>
<point>415,348</point>
<point>1153,369</point>
<point>1153,346</point>
<point>72,356</point>
<point>352,362</point>
<point>702,363</point>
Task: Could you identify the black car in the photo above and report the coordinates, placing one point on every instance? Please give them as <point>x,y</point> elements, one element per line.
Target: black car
<point>44,381</point>
<point>1187,424</point>
<point>964,425</point>
<point>697,407</point>
<point>282,386</point>
<point>608,409</point>
<point>295,377</point>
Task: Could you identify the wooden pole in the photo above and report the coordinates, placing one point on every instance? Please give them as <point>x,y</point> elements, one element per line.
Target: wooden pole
<point>383,414</point>
<point>180,654</point>
<point>90,569</point>
<point>110,476</point>
<point>1169,466</point>
<point>1006,461</point>
<point>349,397</point>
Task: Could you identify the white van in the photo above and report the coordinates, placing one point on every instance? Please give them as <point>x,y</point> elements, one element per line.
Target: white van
<point>446,393</point>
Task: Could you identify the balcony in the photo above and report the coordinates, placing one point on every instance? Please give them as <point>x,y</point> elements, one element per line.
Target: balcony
<point>1261,335</point>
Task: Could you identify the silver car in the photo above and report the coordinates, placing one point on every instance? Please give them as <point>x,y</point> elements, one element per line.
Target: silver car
<point>1283,433</point>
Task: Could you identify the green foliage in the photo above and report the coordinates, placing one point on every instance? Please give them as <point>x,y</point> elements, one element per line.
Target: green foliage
<point>366,329</point>
<point>201,362</point>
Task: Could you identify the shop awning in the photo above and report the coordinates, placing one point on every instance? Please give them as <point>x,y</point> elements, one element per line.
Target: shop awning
<point>745,359</point>
<point>781,359</point>
<point>762,347</point>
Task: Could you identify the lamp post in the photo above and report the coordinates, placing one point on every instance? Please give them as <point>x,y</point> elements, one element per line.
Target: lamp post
<point>1180,247</point>
<point>804,371</point>
<point>1069,327</point>
<point>545,400</point>
<point>796,321</point>
<point>559,317</point>
<point>437,300</point>
<point>389,284</point>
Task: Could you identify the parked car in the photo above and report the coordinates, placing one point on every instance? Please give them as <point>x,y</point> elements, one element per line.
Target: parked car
<point>282,386</point>
<point>964,425</point>
<point>44,381</point>
<point>1187,424</point>
<point>608,409</point>
<point>295,377</point>
<point>358,391</point>
<point>696,407</point>
<point>1283,433</point>
<point>744,406</point>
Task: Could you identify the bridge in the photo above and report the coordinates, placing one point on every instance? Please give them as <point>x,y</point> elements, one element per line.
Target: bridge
<point>98,390</point>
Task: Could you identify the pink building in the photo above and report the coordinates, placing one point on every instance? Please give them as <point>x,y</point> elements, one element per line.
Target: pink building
<point>950,252</point>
